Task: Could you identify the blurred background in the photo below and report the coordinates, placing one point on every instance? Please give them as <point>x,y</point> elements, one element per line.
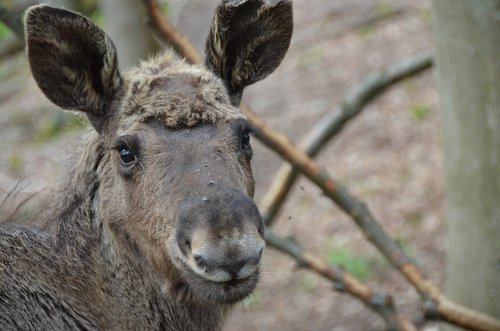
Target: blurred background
<point>390,156</point>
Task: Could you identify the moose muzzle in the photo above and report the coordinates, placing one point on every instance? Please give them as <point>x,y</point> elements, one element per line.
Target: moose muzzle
<point>220,235</point>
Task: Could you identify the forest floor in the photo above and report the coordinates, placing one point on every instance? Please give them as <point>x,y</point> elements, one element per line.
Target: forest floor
<point>390,156</point>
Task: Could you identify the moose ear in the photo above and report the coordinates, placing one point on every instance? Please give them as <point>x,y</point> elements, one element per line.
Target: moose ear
<point>72,60</point>
<point>247,41</point>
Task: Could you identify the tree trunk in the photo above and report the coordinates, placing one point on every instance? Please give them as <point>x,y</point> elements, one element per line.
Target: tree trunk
<point>467,39</point>
<point>124,21</point>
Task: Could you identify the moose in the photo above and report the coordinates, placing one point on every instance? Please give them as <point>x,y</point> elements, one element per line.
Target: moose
<point>153,227</point>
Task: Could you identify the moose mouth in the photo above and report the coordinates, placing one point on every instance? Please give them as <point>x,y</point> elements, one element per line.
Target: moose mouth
<point>228,292</point>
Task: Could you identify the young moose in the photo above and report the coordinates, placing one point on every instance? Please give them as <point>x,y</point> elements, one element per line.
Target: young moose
<point>154,227</point>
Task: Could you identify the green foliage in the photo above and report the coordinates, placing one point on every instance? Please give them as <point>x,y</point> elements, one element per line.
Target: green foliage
<point>54,125</point>
<point>384,7</point>
<point>97,17</point>
<point>358,266</point>
<point>164,7</point>
<point>405,173</point>
<point>405,244</point>
<point>366,31</point>
<point>75,122</point>
<point>426,15</point>
<point>415,218</point>
<point>409,86</point>
<point>310,56</point>
<point>4,31</point>
<point>48,129</point>
<point>419,111</point>
<point>309,282</point>
<point>402,242</point>
<point>253,300</point>
<point>15,162</point>
<point>3,72</point>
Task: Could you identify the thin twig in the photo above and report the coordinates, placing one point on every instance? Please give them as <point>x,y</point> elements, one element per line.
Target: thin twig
<point>331,124</point>
<point>342,281</point>
<point>12,21</point>
<point>442,307</point>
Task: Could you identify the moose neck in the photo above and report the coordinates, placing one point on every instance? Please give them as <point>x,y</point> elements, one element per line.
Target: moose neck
<point>132,288</point>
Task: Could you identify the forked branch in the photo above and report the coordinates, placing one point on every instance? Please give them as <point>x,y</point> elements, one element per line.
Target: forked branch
<point>382,304</point>
<point>442,307</point>
<point>330,125</point>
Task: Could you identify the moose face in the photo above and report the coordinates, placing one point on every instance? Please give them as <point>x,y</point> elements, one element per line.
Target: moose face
<point>184,200</point>
<point>180,185</point>
<point>175,181</point>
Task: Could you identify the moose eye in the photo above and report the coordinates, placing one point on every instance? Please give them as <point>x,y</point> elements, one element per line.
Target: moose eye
<point>128,147</point>
<point>245,147</point>
<point>126,156</point>
<point>245,139</point>
<point>242,132</point>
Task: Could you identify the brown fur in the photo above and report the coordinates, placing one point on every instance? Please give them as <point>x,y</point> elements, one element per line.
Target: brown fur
<point>168,89</point>
<point>153,227</point>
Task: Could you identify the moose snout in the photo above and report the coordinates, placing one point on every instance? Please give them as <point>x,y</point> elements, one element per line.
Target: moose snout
<point>208,265</point>
<point>220,235</point>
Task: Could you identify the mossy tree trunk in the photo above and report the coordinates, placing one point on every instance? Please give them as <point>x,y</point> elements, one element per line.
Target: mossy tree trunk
<point>467,39</point>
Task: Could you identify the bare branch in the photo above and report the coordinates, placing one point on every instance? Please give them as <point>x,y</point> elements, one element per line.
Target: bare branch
<point>442,307</point>
<point>342,281</point>
<point>13,21</point>
<point>169,33</point>
<point>331,124</point>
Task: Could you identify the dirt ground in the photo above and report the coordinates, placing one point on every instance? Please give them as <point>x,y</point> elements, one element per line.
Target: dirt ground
<point>390,156</point>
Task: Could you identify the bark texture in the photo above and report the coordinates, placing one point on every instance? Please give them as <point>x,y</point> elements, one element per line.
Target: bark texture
<point>125,23</point>
<point>467,38</point>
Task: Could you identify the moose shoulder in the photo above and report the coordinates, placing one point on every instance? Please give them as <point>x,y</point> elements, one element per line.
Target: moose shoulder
<point>154,226</point>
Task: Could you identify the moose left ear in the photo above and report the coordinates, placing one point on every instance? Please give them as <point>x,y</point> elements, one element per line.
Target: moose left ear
<point>247,41</point>
<point>72,60</point>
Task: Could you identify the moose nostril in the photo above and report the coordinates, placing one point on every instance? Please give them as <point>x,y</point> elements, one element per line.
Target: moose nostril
<point>233,268</point>
<point>260,253</point>
<point>199,261</point>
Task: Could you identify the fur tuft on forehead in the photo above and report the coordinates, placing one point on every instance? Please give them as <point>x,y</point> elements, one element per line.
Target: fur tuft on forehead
<point>167,89</point>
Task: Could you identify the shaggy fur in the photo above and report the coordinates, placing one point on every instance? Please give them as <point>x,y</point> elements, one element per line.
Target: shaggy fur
<point>175,93</point>
<point>153,227</point>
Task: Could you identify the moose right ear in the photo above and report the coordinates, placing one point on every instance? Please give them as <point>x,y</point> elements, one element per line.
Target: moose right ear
<point>247,41</point>
<point>72,60</point>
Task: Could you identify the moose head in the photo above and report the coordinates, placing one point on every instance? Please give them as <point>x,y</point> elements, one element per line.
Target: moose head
<point>171,182</point>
